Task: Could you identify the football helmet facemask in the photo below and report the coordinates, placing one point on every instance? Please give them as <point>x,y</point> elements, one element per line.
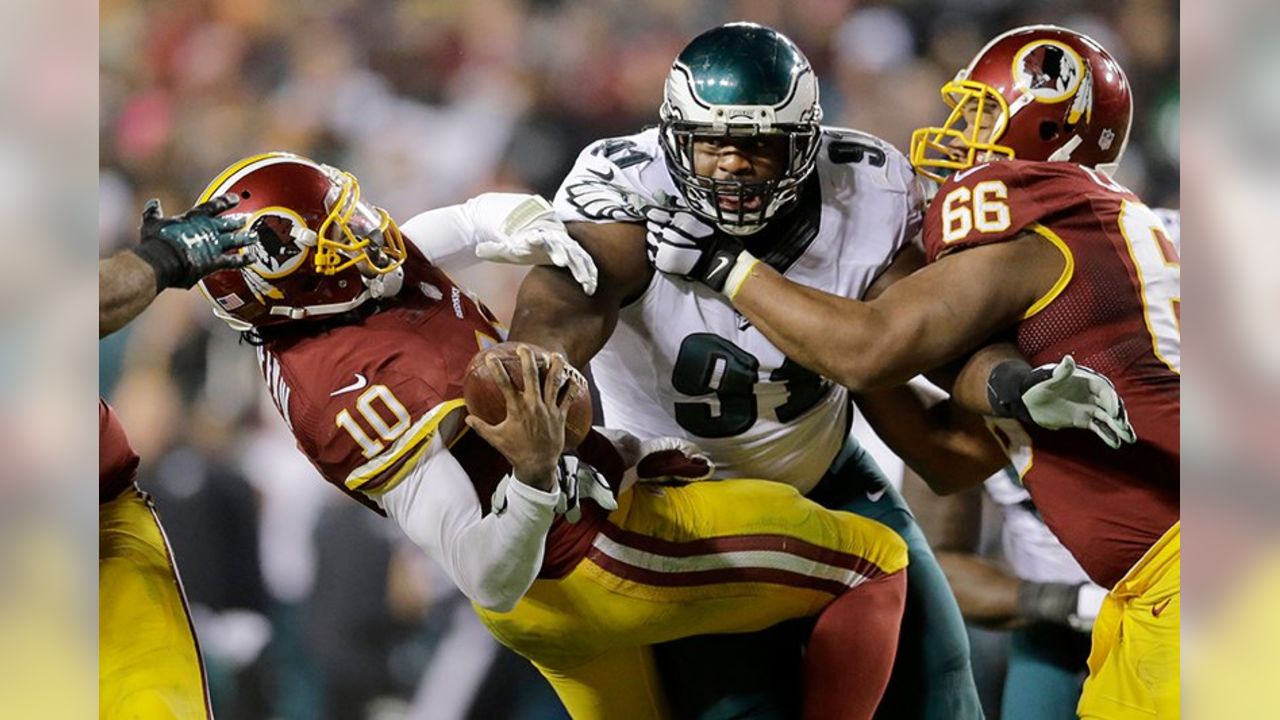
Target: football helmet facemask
<point>740,81</point>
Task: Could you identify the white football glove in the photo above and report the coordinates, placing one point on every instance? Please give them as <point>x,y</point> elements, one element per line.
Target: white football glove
<point>1074,396</point>
<point>579,480</point>
<point>530,234</point>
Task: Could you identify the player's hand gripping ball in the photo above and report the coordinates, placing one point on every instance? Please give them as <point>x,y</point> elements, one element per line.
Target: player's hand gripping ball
<point>484,398</point>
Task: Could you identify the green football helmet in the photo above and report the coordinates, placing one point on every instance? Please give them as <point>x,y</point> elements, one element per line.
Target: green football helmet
<point>740,79</point>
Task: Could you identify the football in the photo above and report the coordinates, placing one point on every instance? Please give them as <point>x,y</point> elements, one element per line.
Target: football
<point>484,398</point>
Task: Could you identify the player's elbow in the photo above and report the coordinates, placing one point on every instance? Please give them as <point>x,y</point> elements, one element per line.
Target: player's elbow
<point>863,369</point>
<point>869,360</point>
<point>494,595</point>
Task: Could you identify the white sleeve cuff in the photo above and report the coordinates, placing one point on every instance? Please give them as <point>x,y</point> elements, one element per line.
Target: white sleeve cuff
<point>532,495</point>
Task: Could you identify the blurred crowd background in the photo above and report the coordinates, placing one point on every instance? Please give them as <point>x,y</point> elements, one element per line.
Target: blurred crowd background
<point>306,604</point>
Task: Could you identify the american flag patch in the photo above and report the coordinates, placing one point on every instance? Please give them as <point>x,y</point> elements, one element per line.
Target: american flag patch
<point>230,302</point>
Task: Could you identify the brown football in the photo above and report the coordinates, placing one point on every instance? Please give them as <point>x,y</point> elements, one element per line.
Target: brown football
<point>484,398</point>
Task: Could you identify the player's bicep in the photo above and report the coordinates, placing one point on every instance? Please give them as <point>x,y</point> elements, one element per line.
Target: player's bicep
<point>908,260</point>
<point>956,303</point>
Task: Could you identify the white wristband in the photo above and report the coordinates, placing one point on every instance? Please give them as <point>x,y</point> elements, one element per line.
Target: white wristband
<point>738,273</point>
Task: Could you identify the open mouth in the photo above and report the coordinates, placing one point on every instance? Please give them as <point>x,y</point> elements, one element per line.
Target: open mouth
<point>734,203</point>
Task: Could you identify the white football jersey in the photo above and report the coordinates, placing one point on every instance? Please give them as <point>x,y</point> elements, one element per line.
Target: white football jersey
<point>682,362</point>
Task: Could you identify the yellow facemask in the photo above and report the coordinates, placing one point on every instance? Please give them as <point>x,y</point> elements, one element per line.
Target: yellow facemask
<point>935,147</point>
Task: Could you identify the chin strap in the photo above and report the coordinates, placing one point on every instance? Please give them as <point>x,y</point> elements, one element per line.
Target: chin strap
<point>1063,154</point>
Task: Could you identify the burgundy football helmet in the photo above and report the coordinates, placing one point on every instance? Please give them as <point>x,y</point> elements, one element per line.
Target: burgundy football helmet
<point>1039,92</point>
<point>321,251</point>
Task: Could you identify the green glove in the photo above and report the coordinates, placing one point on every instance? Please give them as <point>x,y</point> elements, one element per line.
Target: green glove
<point>185,248</point>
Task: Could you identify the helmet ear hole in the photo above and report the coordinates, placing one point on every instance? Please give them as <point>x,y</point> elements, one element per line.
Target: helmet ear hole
<point>1048,130</point>
<point>244,194</point>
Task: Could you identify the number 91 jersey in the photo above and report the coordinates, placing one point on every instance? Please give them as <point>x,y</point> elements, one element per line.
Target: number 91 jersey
<point>682,362</point>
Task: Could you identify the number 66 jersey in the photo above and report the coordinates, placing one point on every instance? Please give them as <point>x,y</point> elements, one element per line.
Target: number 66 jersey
<point>1115,309</point>
<point>683,363</point>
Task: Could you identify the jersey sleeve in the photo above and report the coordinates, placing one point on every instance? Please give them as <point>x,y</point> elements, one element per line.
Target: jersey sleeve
<point>604,184</point>
<point>117,462</point>
<point>987,204</point>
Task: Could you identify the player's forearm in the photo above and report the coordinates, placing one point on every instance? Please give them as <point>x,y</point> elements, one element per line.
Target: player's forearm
<point>970,388</point>
<point>447,236</point>
<point>949,450</point>
<point>493,559</point>
<point>499,557</point>
<point>126,286</point>
<point>987,595</point>
<point>552,312</point>
<point>848,341</point>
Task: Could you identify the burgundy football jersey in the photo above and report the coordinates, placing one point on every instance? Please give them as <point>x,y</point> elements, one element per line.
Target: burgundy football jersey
<point>117,462</point>
<point>367,400</point>
<point>1114,309</point>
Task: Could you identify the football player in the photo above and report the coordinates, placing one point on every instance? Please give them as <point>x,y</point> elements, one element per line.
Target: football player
<point>148,657</point>
<point>364,343</point>
<point>1030,236</point>
<point>741,144</point>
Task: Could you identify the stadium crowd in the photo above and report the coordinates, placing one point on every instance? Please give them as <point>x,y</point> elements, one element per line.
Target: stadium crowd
<point>305,607</point>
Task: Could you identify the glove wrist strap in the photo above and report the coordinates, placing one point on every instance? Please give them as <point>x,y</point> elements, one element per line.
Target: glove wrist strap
<point>1005,387</point>
<point>738,273</point>
<point>167,263</point>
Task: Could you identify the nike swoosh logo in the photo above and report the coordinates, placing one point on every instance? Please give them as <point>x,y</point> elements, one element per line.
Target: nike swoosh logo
<point>1159,607</point>
<point>875,496</point>
<point>359,383</point>
<point>605,177</point>
<point>960,176</point>
<point>722,263</point>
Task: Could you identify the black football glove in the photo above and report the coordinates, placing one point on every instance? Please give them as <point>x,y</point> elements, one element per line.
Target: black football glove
<point>185,248</point>
<point>1060,395</point>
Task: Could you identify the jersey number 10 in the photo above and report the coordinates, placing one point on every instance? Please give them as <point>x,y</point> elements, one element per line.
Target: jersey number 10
<point>388,431</point>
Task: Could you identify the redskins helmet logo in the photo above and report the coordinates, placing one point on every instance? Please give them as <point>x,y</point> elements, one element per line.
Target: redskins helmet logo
<point>1048,70</point>
<point>283,242</point>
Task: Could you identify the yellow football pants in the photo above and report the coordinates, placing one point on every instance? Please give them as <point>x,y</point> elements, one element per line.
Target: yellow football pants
<point>729,556</point>
<point>148,662</point>
<point>1134,664</point>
